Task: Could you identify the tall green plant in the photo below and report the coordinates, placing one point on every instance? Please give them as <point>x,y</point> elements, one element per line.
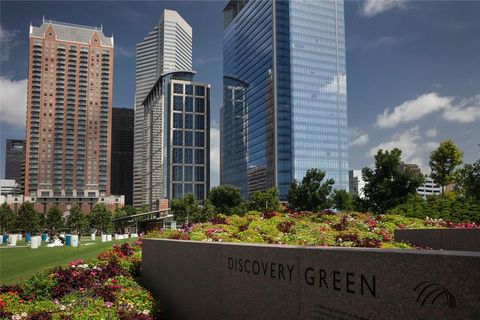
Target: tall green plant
<point>225,198</point>
<point>55,218</point>
<point>265,201</point>
<point>444,161</point>
<point>28,219</point>
<point>386,185</point>
<point>100,218</point>
<point>76,220</point>
<point>312,193</point>
<point>7,218</point>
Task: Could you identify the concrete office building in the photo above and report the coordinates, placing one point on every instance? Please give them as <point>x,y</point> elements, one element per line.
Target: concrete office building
<point>121,177</point>
<point>285,97</point>
<point>167,48</point>
<point>356,183</point>
<point>14,158</point>
<point>429,188</point>
<point>177,148</point>
<point>70,77</point>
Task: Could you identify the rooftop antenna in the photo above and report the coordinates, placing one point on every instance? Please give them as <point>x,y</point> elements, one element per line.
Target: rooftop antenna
<point>101,27</point>
<point>43,19</point>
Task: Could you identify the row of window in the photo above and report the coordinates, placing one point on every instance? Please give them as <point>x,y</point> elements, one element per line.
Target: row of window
<point>181,155</point>
<point>188,89</point>
<point>181,121</point>
<point>180,105</point>
<point>188,173</point>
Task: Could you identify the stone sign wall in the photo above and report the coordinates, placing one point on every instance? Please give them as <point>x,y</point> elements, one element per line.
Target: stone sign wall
<point>204,280</point>
<point>446,239</point>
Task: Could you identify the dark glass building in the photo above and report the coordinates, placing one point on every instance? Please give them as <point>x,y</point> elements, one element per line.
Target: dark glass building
<point>121,179</point>
<point>14,157</point>
<point>285,104</point>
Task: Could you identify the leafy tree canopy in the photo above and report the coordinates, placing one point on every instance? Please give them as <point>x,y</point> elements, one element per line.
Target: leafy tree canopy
<point>265,201</point>
<point>28,219</point>
<point>54,218</point>
<point>76,220</point>
<point>444,161</point>
<point>225,199</point>
<point>342,200</point>
<point>7,218</point>
<point>100,218</point>
<point>468,180</point>
<point>386,185</point>
<point>311,194</point>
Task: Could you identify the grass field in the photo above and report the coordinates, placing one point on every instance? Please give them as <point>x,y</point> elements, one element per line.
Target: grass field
<point>17,264</point>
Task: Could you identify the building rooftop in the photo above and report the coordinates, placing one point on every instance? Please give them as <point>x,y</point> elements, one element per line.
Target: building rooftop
<point>71,32</point>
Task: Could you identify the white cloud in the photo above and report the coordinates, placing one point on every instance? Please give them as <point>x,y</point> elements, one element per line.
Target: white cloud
<point>414,149</point>
<point>413,110</point>
<point>431,133</point>
<point>360,141</point>
<point>13,101</point>
<point>374,7</point>
<point>8,40</point>
<point>214,155</point>
<point>468,110</point>
<point>121,51</point>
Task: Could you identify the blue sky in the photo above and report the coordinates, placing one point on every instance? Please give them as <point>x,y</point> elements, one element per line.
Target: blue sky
<point>413,67</point>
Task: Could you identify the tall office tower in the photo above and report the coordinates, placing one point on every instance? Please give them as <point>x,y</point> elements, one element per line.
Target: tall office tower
<point>285,101</point>
<point>14,157</point>
<point>121,178</point>
<point>177,149</point>
<point>167,48</point>
<point>68,114</point>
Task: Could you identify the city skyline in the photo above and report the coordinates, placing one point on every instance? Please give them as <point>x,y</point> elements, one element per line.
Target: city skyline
<point>417,78</point>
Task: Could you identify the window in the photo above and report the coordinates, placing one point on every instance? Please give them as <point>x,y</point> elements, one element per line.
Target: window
<point>199,156</point>
<point>199,90</point>
<point>177,173</point>
<point>188,156</point>
<point>188,138</point>
<point>177,137</point>
<point>188,173</point>
<point>178,120</point>
<point>177,88</point>
<point>177,155</point>
<point>200,122</point>
<point>187,188</point>
<point>188,104</point>
<point>188,121</point>
<point>199,139</point>
<point>189,89</point>
<point>200,191</point>
<point>199,174</point>
<point>178,103</point>
<point>177,190</point>
<point>199,105</point>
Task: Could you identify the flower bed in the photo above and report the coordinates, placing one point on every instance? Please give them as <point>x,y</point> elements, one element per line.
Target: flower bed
<point>306,228</point>
<point>104,288</point>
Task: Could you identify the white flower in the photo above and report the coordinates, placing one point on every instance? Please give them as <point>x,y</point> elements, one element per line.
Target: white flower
<point>146,312</point>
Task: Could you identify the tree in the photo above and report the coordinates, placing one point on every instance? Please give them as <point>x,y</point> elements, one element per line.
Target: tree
<point>311,194</point>
<point>100,218</point>
<point>129,210</point>
<point>468,180</point>
<point>76,219</point>
<point>28,219</point>
<point>265,201</point>
<point>120,224</point>
<point>225,199</point>
<point>444,161</point>
<point>386,185</point>
<point>54,218</point>
<point>184,209</point>
<point>342,200</point>
<point>7,218</point>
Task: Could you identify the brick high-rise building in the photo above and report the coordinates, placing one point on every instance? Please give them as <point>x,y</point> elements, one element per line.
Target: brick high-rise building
<point>69,101</point>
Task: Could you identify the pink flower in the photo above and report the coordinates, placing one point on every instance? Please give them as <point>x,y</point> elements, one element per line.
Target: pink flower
<point>108,304</point>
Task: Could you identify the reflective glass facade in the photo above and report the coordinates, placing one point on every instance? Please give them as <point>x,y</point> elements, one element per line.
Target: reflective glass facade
<point>288,57</point>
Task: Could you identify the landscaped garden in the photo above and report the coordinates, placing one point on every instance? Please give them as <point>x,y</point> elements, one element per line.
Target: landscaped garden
<point>102,288</point>
<point>325,228</point>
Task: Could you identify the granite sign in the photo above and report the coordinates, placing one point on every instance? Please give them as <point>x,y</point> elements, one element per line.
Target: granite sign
<point>201,280</point>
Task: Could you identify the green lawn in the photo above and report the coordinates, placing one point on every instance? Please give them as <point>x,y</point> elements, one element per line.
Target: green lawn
<point>18,264</point>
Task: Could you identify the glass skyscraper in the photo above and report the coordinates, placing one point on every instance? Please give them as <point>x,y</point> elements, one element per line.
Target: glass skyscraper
<point>285,103</point>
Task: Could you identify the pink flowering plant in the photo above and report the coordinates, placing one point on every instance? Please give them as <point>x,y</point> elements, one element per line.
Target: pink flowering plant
<point>105,288</point>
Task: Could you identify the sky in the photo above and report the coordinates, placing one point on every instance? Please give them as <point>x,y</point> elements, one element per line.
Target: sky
<point>413,68</point>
